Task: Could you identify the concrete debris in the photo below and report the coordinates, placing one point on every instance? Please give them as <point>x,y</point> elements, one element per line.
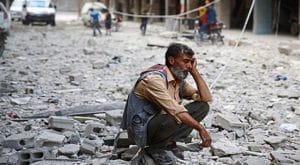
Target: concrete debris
<point>19,141</point>
<point>69,149</point>
<point>275,141</point>
<point>50,138</point>
<point>61,123</point>
<point>224,147</point>
<point>62,96</point>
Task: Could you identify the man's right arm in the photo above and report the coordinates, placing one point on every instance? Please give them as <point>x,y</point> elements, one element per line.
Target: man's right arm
<point>191,122</point>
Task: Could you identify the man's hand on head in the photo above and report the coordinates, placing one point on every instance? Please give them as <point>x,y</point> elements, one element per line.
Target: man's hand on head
<point>194,66</point>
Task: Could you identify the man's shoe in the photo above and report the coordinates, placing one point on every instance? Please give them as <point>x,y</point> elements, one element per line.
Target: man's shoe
<point>175,150</point>
<point>164,158</point>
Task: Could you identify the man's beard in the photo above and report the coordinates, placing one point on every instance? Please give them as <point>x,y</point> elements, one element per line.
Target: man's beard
<point>178,73</point>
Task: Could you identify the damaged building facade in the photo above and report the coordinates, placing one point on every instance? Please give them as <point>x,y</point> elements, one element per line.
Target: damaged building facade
<point>269,16</point>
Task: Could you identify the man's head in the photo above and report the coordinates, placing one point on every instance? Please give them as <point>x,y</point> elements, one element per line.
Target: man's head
<point>179,58</point>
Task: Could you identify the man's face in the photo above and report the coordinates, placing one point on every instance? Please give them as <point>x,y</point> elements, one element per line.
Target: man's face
<point>181,66</point>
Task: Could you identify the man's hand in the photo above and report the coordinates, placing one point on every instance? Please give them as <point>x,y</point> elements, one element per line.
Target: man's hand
<point>206,140</point>
<point>194,66</point>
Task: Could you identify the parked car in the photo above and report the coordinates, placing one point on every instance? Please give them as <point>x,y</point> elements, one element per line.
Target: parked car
<point>16,10</point>
<point>85,11</point>
<point>5,22</point>
<point>39,11</point>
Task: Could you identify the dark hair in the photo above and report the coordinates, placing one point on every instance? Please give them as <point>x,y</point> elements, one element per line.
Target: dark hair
<point>175,49</point>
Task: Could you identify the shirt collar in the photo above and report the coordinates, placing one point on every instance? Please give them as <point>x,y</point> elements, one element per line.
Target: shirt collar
<point>170,76</point>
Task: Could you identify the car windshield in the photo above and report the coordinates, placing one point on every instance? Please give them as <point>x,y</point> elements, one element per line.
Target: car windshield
<point>37,4</point>
<point>17,3</point>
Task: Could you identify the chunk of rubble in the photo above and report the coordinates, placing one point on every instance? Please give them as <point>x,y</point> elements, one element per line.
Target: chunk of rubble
<point>114,117</point>
<point>255,160</point>
<point>288,157</point>
<point>275,141</point>
<point>61,123</point>
<point>225,147</point>
<point>19,141</point>
<point>69,149</point>
<point>50,138</point>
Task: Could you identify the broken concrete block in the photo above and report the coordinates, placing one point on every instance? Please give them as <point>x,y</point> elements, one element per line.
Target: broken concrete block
<point>275,141</point>
<point>19,141</point>
<point>76,77</point>
<point>227,121</point>
<point>72,137</point>
<point>88,146</point>
<point>69,149</point>
<point>94,128</point>
<point>255,160</point>
<point>114,117</point>
<point>50,138</point>
<point>61,122</point>
<point>281,157</point>
<point>99,65</point>
<point>20,101</point>
<point>29,156</point>
<point>123,140</point>
<point>4,159</point>
<point>284,49</point>
<point>29,90</point>
<point>65,69</point>
<point>224,147</point>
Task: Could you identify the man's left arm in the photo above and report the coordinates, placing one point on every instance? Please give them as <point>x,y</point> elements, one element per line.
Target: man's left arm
<point>203,90</point>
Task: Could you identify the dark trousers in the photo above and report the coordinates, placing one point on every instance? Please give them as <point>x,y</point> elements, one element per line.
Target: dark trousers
<point>163,128</point>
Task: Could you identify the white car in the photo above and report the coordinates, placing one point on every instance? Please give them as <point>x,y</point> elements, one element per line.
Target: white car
<point>16,10</point>
<point>39,11</point>
<point>85,11</point>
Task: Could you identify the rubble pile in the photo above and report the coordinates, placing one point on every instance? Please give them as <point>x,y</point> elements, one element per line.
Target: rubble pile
<point>62,94</point>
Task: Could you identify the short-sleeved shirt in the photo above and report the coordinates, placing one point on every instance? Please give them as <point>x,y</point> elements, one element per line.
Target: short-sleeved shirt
<point>95,16</point>
<point>153,88</point>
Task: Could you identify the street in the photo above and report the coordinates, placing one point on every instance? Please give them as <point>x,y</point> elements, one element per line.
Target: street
<point>253,115</point>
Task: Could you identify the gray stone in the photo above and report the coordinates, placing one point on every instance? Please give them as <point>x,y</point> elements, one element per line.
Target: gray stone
<point>88,146</point>
<point>19,141</point>
<point>114,117</point>
<point>88,51</point>
<point>123,141</point>
<point>94,128</point>
<point>65,69</point>
<point>224,147</point>
<point>50,138</point>
<point>72,137</point>
<point>76,77</point>
<point>280,157</point>
<point>275,141</point>
<point>20,101</point>
<point>254,160</point>
<point>284,49</point>
<point>69,149</point>
<point>99,65</point>
<point>227,121</point>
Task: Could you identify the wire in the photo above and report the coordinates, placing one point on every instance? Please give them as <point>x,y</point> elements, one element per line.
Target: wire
<point>178,16</point>
<point>236,45</point>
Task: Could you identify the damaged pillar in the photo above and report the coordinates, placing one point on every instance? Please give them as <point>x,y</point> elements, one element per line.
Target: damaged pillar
<point>262,23</point>
<point>137,9</point>
<point>223,10</point>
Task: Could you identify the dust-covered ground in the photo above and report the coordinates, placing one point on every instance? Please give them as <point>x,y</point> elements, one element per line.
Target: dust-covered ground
<point>254,117</point>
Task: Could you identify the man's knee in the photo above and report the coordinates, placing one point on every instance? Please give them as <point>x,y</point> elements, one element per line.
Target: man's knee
<point>198,109</point>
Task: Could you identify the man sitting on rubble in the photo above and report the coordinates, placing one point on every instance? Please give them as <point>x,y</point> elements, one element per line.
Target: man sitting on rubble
<point>154,117</point>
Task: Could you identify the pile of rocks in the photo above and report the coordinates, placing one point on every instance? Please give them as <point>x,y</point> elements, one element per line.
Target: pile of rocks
<point>62,96</point>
